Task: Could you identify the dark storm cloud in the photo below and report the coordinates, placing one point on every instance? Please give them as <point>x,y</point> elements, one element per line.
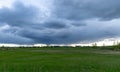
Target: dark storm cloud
<point>78,24</point>
<point>18,18</point>
<point>55,24</point>
<point>11,38</point>
<point>19,15</point>
<point>85,9</point>
<point>67,23</point>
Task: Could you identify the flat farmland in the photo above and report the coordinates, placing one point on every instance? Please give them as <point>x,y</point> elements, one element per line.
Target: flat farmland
<point>59,60</point>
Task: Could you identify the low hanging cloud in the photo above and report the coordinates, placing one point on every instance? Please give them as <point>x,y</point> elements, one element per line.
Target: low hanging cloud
<point>67,22</point>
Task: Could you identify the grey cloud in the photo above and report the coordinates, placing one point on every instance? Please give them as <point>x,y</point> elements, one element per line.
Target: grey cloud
<point>86,9</point>
<point>55,24</point>
<point>18,18</point>
<point>20,15</point>
<point>67,23</point>
<point>11,38</point>
<point>79,24</point>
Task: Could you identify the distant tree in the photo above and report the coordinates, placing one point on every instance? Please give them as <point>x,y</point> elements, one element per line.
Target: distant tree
<point>103,44</point>
<point>94,45</point>
<point>114,43</point>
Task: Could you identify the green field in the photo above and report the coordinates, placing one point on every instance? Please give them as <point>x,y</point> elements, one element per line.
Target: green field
<point>59,60</point>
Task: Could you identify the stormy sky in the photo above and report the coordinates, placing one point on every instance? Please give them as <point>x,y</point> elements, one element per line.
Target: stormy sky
<point>58,21</point>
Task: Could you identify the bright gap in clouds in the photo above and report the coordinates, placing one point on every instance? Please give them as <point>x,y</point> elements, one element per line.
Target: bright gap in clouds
<point>6,3</point>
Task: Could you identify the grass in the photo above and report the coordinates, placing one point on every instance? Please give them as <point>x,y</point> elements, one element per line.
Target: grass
<point>59,60</point>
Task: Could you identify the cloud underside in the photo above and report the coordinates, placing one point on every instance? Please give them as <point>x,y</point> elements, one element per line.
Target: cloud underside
<point>68,22</point>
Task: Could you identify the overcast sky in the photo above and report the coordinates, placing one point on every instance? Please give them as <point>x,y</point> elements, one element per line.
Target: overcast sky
<point>58,21</point>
